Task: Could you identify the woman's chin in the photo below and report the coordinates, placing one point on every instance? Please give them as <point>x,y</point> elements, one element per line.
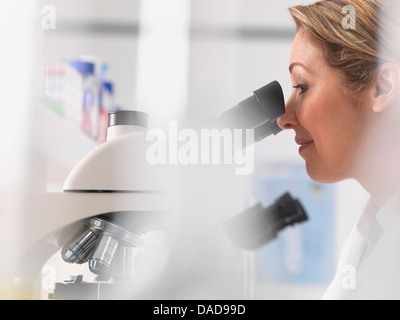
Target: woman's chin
<point>323,175</point>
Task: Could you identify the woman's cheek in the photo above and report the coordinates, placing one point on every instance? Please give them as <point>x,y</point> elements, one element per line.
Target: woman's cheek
<point>309,117</point>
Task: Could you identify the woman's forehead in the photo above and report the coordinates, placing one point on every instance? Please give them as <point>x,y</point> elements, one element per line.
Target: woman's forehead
<point>306,54</point>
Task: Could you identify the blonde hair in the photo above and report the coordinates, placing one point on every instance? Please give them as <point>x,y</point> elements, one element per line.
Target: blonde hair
<point>356,52</point>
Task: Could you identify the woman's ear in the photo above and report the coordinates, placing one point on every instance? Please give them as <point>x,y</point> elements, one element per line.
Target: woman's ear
<point>387,86</point>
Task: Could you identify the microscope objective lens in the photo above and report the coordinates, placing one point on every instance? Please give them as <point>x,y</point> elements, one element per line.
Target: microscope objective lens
<point>78,250</point>
<point>97,243</point>
<point>103,254</point>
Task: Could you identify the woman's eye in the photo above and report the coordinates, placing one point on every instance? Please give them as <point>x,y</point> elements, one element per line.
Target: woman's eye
<point>301,87</point>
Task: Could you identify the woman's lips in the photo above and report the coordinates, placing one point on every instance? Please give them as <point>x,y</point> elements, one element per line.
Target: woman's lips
<point>303,143</point>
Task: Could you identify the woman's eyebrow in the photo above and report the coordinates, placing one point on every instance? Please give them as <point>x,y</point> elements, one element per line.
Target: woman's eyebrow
<point>294,64</point>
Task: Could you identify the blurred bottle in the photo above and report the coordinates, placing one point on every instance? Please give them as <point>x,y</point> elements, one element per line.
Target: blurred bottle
<point>89,95</point>
<point>106,105</point>
<point>80,93</point>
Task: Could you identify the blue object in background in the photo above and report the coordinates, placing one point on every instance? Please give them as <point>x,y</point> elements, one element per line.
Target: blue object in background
<point>305,253</point>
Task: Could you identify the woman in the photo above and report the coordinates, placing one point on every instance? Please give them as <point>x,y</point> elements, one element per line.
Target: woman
<point>345,111</point>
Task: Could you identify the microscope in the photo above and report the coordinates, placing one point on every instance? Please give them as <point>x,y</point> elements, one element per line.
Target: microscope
<point>112,198</point>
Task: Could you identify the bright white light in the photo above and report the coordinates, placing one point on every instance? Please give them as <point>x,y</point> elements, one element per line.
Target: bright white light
<point>16,34</point>
<point>163,59</point>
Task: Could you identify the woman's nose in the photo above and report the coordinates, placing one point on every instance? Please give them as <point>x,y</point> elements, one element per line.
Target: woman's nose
<point>289,119</point>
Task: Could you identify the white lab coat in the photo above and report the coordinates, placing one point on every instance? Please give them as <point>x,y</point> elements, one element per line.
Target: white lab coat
<point>369,264</point>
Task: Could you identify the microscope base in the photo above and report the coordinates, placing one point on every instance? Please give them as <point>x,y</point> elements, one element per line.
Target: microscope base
<point>79,290</point>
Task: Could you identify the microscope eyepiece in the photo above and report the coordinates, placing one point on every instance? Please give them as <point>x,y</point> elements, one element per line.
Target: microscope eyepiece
<point>271,100</point>
<point>258,112</point>
<point>258,226</point>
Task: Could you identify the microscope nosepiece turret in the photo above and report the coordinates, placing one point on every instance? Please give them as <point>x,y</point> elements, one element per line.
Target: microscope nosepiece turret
<point>97,242</point>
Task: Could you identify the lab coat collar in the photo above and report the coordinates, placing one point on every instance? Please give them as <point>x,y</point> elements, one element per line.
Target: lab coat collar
<point>376,222</point>
<point>389,214</point>
<point>368,226</point>
<point>369,250</point>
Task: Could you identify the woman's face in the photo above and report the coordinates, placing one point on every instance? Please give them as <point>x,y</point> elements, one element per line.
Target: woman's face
<point>328,123</point>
